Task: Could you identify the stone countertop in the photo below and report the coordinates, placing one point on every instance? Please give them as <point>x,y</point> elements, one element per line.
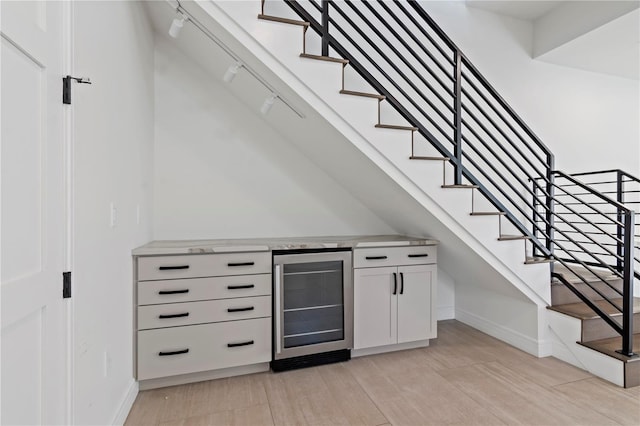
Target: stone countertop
<point>170,247</point>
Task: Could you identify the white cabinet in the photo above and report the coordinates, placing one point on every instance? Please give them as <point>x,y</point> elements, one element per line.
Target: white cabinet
<point>197,314</point>
<point>394,304</point>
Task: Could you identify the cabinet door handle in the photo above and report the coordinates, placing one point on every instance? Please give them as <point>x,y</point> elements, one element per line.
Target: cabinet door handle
<point>401,282</point>
<point>184,314</point>
<point>395,283</point>
<point>235,345</point>
<point>375,257</point>
<point>230,264</point>
<point>237,287</point>
<point>173,268</point>
<point>186,290</point>
<point>183,351</point>
<point>419,255</point>
<point>248,308</point>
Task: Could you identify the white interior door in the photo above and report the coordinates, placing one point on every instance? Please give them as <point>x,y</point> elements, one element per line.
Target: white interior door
<point>34,330</point>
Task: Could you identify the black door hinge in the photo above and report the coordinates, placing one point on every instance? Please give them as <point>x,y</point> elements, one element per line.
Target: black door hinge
<point>66,285</point>
<point>66,87</point>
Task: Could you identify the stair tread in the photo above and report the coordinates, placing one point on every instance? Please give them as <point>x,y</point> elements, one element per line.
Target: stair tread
<point>283,20</point>
<point>536,260</point>
<point>513,237</point>
<point>363,94</point>
<point>611,345</point>
<point>395,127</point>
<point>581,271</point>
<point>581,311</point>
<point>488,213</point>
<point>422,157</point>
<point>324,58</point>
<point>459,186</point>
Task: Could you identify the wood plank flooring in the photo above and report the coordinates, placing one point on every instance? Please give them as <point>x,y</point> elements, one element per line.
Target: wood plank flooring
<point>464,378</point>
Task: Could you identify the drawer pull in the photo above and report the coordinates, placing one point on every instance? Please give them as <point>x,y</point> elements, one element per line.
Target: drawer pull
<point>183,351</point>
<point>186,290</point>
<point>185,314</point>
<point>230,264</point>
<point>235,345</point>
<point>419,255</point>
<point>238,287</point>
<point>375,257</point>
<point>249,308</point>
<point>173,268</point>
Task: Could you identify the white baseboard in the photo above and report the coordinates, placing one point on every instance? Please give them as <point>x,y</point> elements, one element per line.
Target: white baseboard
<point>126,404</point>
<point>389,348</point>
<point>202,376</point>
<point>446,313</point>
<point>507,335</point>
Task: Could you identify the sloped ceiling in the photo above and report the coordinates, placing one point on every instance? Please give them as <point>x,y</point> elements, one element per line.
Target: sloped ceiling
<point>597,36</point>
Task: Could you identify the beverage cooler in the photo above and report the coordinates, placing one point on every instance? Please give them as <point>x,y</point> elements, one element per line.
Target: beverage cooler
<point>313,307</point>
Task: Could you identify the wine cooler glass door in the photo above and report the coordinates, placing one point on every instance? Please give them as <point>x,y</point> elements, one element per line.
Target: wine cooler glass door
<point>312,312</point>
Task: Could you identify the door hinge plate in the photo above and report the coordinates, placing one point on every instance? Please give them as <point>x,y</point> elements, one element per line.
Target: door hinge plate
<point>66,285</point>
<point>66,87</point>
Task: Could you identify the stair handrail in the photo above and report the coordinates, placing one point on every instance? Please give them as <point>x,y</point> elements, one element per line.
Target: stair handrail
<point>619,181</point>
<point>519,180</point>
<point>515,196</point>
<point>625,223</point>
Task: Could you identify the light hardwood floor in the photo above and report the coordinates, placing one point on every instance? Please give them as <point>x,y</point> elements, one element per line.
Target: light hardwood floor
<point>464,378</point>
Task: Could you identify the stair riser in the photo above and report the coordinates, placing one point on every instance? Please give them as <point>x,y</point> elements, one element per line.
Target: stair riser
<point>596,328</point>
<point>632,374</point>
<point>560,294</point>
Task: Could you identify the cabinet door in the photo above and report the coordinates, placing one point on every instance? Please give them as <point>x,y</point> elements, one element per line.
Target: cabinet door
<point>374,307</point>
<point>416,312</point>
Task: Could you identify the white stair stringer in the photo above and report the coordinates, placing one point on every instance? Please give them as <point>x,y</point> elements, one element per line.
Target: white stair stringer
<point>278,46</point>
<point>565,333</point>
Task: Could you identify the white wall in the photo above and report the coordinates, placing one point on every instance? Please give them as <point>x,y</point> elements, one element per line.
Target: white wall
<point>589,120</point>
<point>222,171</point>
<point>113,124</point>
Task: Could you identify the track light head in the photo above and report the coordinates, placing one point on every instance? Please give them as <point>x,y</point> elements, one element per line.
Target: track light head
<point>231,73</point>
<point>176,25</point>
<point>268,103</point>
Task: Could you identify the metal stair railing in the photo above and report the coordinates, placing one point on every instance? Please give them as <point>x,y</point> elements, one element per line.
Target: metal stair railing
<point>625,189</point>
<point>397,48</point>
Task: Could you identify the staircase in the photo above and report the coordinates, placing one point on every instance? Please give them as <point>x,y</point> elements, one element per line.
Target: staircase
<point>448,137</point>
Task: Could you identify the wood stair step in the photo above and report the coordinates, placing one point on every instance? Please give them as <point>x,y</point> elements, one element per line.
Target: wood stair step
<point>324,58</point>
<point>513,237</point>
<point>536,260</point>
<point>283,20</point>
<point>487,213</point>
<point>631,365</point>
<point>395,127</point>
<point>459,186</point>
<point>418,157</point>
<point>581,311</point>
<point>363,94</point>
<point>593,327</point>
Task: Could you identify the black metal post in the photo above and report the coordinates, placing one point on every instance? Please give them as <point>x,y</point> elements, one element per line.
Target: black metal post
<point>627,286</point>
<point>550,204</point>
<point>619,199</point>
<point>325,27</point>
<point>534,218</point>
<point>457,136</point>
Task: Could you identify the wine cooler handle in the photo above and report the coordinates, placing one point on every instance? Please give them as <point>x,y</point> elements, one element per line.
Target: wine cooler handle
<point>395,283</point>
<point>277,311</point>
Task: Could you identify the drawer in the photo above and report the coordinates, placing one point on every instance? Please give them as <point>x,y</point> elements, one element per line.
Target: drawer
<point>394,256</point>
<point>193,289</point>
<point>176,314</point>
<point>203,265</point>
<point>182,350</point>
